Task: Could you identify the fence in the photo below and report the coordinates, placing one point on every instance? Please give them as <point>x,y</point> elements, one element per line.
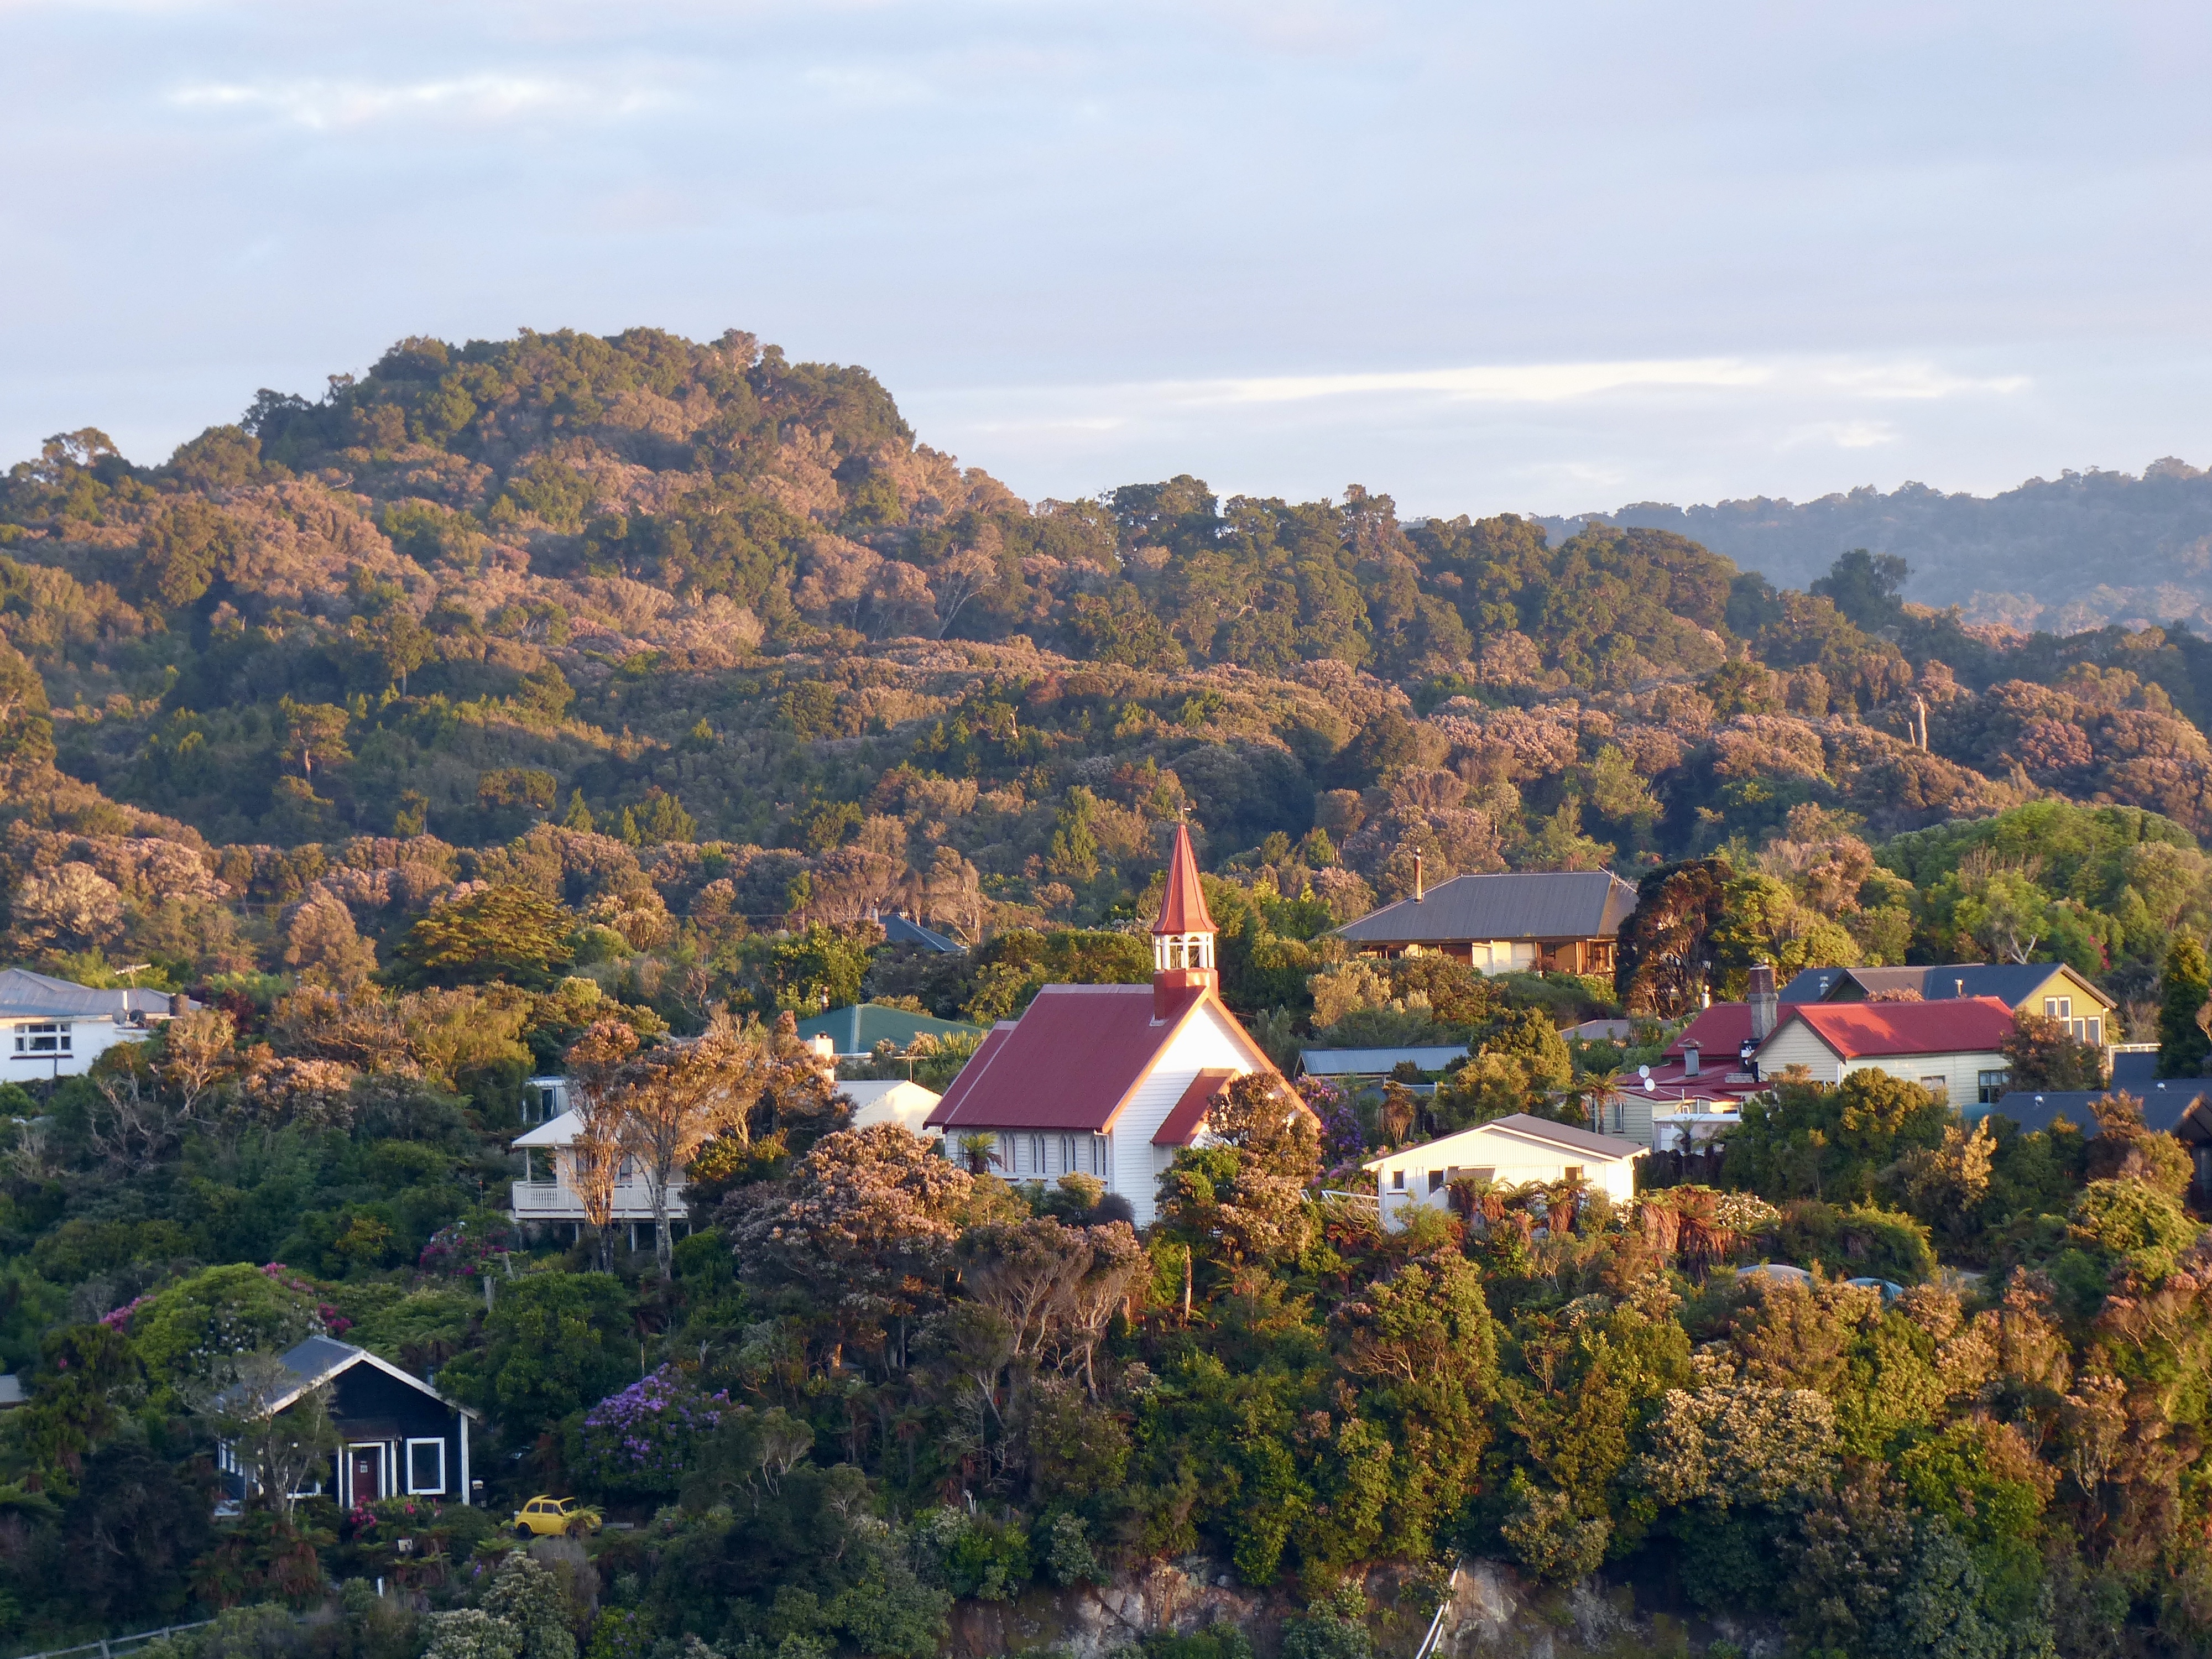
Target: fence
<point>1436,1624</point>
<point>111,1647</point>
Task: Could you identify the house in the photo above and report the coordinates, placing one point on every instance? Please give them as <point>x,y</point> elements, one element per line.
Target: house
<point>398,1436</point>
<point>2180,1107</point>
<point>1952,1048</point>
<point>2049,988</point>
<point>898,930</point>
<point>547,1191</point>
<point>1109,1080</point>
<point>891,1101</point>
<point>52,1027</point>
<point>1512,1151</point>
<point>1555,921</point>
<point>1360,1065</point>
<point>854,1031</point>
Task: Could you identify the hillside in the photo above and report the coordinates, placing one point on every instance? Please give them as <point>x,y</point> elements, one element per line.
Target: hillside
<point>575,703</point>
<point>2074,552</point>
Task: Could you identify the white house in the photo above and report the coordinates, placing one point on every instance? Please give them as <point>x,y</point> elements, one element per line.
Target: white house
<point>52,1027</point>
<point>1108,1081</point>
<point>1512,1151</point>
<point>892,1100</point>
<point>548,1192</point>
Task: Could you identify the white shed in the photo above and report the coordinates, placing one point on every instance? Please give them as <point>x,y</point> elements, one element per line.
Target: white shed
<point>892,1100</point>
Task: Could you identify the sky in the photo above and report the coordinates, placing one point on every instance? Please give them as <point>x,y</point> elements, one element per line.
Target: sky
<point>1481,257</point>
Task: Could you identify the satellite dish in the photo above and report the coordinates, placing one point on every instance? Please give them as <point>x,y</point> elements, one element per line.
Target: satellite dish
<point>1649,1085</point>
<point>1644,1072</point>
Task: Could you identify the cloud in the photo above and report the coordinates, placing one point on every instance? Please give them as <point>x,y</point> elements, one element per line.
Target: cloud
<point>322,105</point>
<point>1495,383</point>
<point>1843,435</point>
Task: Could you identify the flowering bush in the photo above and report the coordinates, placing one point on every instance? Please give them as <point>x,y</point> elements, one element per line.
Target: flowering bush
<point>467,1250</point>
<point>1341,1140</point>
<point>640,1438</point>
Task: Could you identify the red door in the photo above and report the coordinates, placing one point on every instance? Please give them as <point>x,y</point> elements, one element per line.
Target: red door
<point>367,1474</point>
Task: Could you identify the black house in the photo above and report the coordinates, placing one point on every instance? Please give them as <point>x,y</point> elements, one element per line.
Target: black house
<point>398,1436</point>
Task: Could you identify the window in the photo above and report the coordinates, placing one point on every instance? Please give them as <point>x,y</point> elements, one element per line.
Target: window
<point>1036,1155</point>
<point>2058,1007</point>
<point>1574,1172</point>
<point>1067,1164</point>
<point>1990,1087</point>
<point>2093,1031</point>
<point>1436,1181</point>
<point>1397,1181</point>
<point>1619,1115</point>
<point>1938,1087</point>
<point>1098,1155</point>
<point>426,1466</point>
<point>542,1173</point>
<point>45,1038</point>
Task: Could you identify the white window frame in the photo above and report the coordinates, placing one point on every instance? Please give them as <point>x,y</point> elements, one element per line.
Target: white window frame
<point>29,1034</point>
<point>414,1490</point>
<point>383,1450</point>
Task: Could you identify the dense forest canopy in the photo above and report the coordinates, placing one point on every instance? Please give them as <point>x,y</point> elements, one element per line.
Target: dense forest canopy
<point>580,704</point>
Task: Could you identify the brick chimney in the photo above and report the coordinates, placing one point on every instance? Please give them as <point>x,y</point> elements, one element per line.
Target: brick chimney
<point>1766,1004</point>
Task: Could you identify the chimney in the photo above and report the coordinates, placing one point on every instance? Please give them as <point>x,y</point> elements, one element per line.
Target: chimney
<point>1690,1057</point>
<point>1766,1004</point>
<point>1418,893</point>
<point>179,1004</point>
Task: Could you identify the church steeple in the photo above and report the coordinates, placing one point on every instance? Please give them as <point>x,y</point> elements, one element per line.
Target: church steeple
<point>1182,933</point>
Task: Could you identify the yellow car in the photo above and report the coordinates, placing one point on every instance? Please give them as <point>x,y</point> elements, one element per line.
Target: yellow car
<point>554,1517</point>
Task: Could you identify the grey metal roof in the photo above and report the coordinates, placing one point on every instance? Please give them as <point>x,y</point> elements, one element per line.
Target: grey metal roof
<point>897,930</point>
<point>1376,1062</point>
<point>1565,1134</point>
<point>2165,1105</point>
<point>2135,1072</point>
<point>2011,982</point>
<point>1546,904</point>
<point>24,995</point>
<point>320,1358</point>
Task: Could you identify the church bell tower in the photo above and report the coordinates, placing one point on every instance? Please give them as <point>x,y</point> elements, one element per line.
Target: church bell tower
<point>1182,934</point>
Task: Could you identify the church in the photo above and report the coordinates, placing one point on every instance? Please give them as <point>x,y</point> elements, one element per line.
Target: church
<point>1108,1081</point>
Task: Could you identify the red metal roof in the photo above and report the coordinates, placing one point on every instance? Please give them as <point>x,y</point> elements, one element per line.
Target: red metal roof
<point>1069,1062</point>
<point>1181,1123</point>
<point>1719,1031</point>
<point>1857,1031</point>
<point>1183,906</point>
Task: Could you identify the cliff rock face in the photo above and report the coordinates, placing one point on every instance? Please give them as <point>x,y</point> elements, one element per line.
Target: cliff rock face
<point>1491,1614</point>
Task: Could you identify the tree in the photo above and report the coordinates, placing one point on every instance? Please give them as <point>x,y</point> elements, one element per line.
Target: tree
<point>603,1070</point>
<point>2042,1053</point>
<point>865,1223</point>
<point>278,1434</point>
<point>1864,586</point>
<point>323,946</point>
<point>200,1054</point>
<point>555,1344</point>
<point>1664,962</point>
<point>1244,1184</point>
<point>314,734</point>
<point>677,1097</point>
<point>497,932</point>
<point>2183,1046</point>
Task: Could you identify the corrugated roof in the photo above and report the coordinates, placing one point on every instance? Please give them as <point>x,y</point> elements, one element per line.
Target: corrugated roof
<point>2014,982</point>
<point>2165,1105</point>
<point>1549,904</point>
<point>26,995</point>
<point>857,1028</point>
<point>898,930</point>
<point>1720,1033</point>
<point>1376,1062</point>
<point>1182,904</point>
<point>1860,1031</point>
<point>1070,1060</point>
<point>1532,1128</point>
<point>1183,1118</point>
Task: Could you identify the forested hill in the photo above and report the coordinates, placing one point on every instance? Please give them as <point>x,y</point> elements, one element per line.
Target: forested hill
<point>2078,551</point>
<point>458,612</point>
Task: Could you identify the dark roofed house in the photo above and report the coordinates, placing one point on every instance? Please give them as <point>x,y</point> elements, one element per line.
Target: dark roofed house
<point>1552,921</point>
<point>53,1028</point>
<point>2180,1107</point>
<point>2049,988</point>
<point>398,1436</point>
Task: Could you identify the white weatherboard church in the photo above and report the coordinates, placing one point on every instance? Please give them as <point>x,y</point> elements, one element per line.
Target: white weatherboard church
<point>1108,1081</point>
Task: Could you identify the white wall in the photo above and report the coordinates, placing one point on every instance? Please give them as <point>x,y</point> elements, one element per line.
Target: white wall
<point>1511,1161</point>
<point>1203,1045</point>
<point>1795,1044</point>
<point>88,1039</point>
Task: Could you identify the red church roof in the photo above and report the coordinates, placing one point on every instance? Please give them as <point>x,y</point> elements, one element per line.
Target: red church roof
<point>1070,1062</point>
<point>1183,906</point>
<point>1860,1031</point>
